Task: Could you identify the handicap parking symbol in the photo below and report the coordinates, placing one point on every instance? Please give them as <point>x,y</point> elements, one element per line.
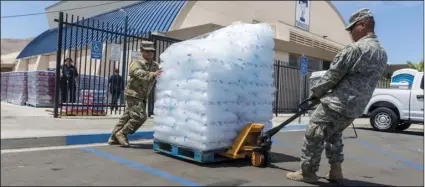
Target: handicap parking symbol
<point>304,65</point>
<point>96,50</point>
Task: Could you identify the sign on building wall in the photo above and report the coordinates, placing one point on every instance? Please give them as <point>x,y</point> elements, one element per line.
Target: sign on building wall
<point>96,50</point>
<point>115,52</point>
<point>304,66</point>
<point>302,14</point>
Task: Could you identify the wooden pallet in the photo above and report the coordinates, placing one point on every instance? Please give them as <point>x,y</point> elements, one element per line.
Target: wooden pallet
<point>188,153</point>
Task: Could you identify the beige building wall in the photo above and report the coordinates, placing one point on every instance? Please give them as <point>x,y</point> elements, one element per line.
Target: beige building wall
<point>83,12</point>
<point>282,56</point>
<point>8,61</point>
<point>52,61</point>
<point>32,63</point>
<point>323,17</point>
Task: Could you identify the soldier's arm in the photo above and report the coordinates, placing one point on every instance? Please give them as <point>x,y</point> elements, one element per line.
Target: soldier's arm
<point>339,67</point>
<point>137,72</point>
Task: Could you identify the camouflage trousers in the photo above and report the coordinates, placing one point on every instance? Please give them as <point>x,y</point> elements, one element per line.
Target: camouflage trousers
<point>133,118</point>
<point>323,132</point>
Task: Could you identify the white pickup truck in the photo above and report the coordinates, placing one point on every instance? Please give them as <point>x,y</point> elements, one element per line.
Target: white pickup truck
<point>394,109</point>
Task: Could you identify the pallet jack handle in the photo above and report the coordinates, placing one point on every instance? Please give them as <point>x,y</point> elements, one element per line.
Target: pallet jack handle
<point>264,141</point>
<point>274,130</point>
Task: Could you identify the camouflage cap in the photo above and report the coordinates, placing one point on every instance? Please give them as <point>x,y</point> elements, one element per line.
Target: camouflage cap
<point>357,16</point>
<point>147,46</point>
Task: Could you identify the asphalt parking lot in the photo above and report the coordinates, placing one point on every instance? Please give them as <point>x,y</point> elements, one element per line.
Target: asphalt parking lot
<point>374,158</point>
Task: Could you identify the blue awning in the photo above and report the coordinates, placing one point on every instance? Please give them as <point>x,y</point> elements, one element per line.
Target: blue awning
<point>143,17</point>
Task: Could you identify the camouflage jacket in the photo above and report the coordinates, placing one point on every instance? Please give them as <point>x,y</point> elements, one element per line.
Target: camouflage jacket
<point>353,76</point>
<point>141,78</point>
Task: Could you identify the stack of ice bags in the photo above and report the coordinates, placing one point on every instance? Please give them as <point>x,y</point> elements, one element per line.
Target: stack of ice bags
<point>41,88</point>
<point>213,86</point>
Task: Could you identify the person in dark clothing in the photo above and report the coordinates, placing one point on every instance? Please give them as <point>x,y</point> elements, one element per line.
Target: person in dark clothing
<point>116,86</point>
<point>68,81</point>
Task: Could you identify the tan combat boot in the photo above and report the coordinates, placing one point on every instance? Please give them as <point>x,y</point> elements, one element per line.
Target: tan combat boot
<point>335,174</point>
<point>122,136</point>
<point>302,177</point>
<point>113,140</point>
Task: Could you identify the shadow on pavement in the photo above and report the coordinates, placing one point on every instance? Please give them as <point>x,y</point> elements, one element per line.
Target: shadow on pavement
<point>237,163</point>
<point>415,133</point>
<point>348,182</point>
<point>350,137</point>
<point>141,146</point>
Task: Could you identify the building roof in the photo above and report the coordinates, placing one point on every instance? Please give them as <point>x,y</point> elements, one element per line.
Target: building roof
<point>11,45</point>
<point>143,17</point>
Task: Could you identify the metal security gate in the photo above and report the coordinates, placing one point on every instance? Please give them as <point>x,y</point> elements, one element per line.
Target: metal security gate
<point>96,49</point>
<point>288,88</point>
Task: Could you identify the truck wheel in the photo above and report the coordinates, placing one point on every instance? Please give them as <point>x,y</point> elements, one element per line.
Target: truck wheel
<point>403,126</point>
<point>384,119</point>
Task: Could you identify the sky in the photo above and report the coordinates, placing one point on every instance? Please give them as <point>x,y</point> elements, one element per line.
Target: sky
<point>399,24</point>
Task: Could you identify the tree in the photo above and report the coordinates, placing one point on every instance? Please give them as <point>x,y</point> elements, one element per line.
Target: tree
<point>418,66</point>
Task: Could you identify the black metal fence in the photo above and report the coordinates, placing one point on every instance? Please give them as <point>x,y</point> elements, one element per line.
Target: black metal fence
<point>97,49</point>
<point>291,88</point>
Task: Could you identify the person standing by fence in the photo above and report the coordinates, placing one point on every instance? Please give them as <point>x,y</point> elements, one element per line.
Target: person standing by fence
<point>68,81</point>
<point>143,72</point>
<point>116,86</point>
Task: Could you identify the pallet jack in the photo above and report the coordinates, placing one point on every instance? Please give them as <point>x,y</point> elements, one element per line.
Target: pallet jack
<point>253,143</point>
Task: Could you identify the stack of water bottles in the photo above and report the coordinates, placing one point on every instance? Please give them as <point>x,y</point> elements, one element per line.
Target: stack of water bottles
<point>92,82</point>
<point>41,88</point>
<point>94,99</point>
<point>3,84</point>
<point>213,86</point>
<point>17,88</point>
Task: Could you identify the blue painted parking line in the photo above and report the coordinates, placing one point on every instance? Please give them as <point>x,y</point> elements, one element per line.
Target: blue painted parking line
<point>78,139</point>
<point>375,161</point>
<point>419,150</point>
<point>294,127</point>
<point>141,167</point>
<point>399,158</point>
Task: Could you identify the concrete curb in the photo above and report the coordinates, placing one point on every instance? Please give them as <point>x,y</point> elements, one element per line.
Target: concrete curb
<point>74,139</point>
<point>80,139</point>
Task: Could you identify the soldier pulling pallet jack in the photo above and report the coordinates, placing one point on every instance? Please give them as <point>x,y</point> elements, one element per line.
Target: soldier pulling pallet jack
<point>343,93</point>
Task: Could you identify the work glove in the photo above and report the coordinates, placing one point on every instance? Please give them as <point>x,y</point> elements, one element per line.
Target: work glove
<point>313,98</point>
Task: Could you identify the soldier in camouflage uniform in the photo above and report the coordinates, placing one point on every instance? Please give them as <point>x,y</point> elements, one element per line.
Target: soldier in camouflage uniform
<point>143,72</point>
<point>344,92</point>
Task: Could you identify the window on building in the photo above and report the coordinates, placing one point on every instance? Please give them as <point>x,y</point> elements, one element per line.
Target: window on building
<point>314,63</point>
<point>326,65</point>
<point>293,60</point>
